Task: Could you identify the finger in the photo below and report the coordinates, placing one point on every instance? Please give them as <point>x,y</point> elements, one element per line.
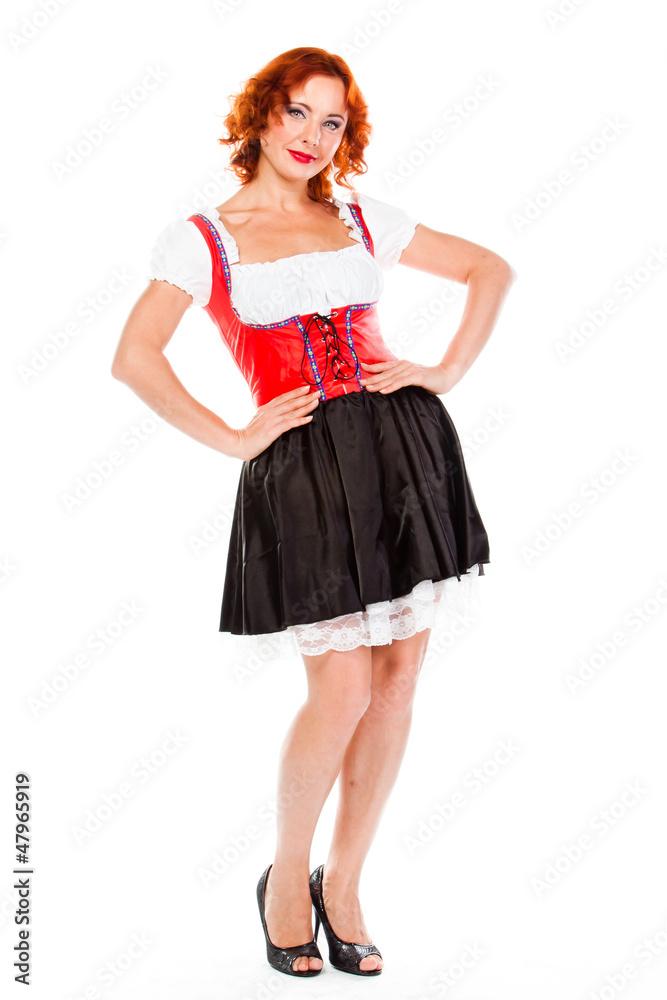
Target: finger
<point>295,401</point>
<point>380,367</point>
<point>391,367</point>
<point>382,381</point>
<point>309,399</point>
<point>392,385</point>
<point>301,390</point>
<point>301,416</point>
<point>390,371</point>
<point>297,407</point>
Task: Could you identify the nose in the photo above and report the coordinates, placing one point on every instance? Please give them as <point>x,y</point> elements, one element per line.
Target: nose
<point>312,135</point>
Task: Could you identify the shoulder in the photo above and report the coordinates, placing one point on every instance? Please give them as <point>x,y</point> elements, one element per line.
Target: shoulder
<point>181,256</point>
<point>391,227</point>
<point>179,236</point>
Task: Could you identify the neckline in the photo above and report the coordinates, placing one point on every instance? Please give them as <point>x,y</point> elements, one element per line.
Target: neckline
<point>312,253</point>
<point>233,250</point>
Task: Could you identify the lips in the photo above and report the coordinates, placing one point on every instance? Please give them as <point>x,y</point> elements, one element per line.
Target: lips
<point>301,157</point>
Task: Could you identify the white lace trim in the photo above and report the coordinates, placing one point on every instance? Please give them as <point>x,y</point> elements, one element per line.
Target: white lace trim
<point>428,605</point>
<point>268,292</point>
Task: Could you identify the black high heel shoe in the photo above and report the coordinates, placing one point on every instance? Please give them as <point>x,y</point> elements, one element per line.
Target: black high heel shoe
<point>343,955</point>
<point>282,959</point>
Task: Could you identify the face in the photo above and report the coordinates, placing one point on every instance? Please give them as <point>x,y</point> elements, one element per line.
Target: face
<point>312,125</point>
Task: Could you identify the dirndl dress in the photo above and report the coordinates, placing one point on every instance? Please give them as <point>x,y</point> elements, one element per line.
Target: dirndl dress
<point>360,526</point>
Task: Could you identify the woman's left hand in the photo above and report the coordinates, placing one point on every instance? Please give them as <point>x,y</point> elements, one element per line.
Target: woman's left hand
<point>387,376</point>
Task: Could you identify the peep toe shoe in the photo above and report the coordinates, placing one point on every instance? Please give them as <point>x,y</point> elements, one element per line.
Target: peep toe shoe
<point>343,955</point>
<point>282,959</point>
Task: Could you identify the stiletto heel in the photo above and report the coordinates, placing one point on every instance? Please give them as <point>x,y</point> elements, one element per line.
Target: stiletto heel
<point>343,955</point>
<point>282,959</point>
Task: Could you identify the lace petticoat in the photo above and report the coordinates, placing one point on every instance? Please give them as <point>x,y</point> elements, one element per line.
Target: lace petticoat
<point>430,604</point>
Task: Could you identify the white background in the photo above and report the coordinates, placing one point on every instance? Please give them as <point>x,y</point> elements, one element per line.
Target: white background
<point>557,82</point>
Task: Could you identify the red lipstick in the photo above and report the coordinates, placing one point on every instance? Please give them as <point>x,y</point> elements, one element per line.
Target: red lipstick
<point>301,157</point>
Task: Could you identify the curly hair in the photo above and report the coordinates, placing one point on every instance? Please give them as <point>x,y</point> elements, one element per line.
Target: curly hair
<point>269,89</point>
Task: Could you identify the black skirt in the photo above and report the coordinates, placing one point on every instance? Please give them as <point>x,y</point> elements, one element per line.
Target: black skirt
<point>354,507</point>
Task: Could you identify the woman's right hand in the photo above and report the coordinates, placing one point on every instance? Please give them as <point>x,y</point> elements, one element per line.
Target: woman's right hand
<point>290,409</point>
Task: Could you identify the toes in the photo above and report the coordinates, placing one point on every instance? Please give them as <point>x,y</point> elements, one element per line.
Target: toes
<point>303,963</point>
<point>370,963</point>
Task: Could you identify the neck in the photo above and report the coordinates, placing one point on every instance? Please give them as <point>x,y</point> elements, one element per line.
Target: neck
<point>271,191</point>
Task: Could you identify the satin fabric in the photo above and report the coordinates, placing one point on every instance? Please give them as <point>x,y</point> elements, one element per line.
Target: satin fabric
<point>277,357</point>
<point>355,507</point>
<point>358,505</point>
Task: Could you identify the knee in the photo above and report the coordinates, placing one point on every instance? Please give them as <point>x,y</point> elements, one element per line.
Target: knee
<point>394,686</point>
<point>346,705</point>
<point>344,700</point>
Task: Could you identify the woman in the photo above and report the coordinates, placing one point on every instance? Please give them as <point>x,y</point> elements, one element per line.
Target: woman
<point>355,522</point>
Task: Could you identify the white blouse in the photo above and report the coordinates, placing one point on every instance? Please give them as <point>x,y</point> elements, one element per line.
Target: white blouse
<point>304,283</point>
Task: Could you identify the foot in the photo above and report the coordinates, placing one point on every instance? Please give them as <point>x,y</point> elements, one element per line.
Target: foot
<point>288,910</point>
<point>341,901</point>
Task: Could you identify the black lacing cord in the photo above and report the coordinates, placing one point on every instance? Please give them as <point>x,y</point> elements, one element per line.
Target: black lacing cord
<point>326,327</point>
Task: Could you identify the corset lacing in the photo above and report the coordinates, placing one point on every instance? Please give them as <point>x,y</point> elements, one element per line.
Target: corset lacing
<point>328,330</point>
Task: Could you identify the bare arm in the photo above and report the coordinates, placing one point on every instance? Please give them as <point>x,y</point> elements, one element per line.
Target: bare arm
<point>140,363</point>
<point>488,277</point>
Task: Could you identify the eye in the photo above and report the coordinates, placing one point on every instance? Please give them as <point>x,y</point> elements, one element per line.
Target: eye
<point>298,111</point>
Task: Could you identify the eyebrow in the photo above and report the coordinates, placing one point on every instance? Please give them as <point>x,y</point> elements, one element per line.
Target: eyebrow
<point>308,108</point>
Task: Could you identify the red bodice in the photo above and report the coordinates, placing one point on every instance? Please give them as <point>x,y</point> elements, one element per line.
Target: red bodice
<point>321,349</point>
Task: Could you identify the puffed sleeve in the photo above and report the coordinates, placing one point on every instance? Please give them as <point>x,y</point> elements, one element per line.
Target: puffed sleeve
<point>391,228</point>
<point>181,256</point>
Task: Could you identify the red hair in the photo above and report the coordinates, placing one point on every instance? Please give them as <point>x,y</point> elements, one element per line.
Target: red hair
<point>268,89</point>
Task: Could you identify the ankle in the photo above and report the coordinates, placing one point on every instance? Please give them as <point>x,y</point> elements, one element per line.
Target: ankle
<point>289,872</point>
<point>342,877</point>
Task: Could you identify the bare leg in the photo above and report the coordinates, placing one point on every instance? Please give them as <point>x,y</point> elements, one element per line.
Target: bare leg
<point>369,771</point>
<point>339,690</point>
